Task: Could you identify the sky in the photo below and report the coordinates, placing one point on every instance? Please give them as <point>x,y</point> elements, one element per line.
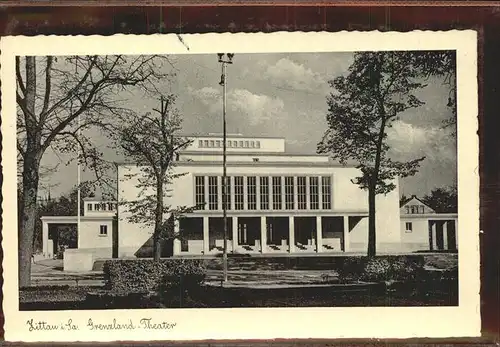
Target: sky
<point>285,95</point>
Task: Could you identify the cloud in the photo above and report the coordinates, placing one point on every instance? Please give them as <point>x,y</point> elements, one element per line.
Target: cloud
<point>286,73</point>
<point>257,108</point>
<point>245,109</point>
<point>409,141</point>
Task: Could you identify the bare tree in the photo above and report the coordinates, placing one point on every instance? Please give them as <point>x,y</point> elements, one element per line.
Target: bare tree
<point>152,142</point>
<point>58,99</point>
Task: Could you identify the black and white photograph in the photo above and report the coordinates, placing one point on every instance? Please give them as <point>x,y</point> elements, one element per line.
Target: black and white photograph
<point>232,179</point>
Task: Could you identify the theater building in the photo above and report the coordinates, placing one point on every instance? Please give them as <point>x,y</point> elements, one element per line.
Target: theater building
<point>278,202</point>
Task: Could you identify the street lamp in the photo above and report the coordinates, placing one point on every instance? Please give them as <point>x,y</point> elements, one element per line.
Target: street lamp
<point>224,59</point>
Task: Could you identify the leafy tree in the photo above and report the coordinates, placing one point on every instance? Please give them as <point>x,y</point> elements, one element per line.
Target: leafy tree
<point>362,106</point>
<point>58,98</point>
<point>152,141</point>
<point>442,200</point>
<point>440,64</point>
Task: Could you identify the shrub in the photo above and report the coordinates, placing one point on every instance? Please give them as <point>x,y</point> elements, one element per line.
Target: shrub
<point>396,268</point>
<point>145,275</point>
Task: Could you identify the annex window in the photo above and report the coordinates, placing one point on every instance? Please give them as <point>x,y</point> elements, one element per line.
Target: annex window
<point>241,144</point>
<point>255,159</point>
<point>200,192</point>
<point>407,208</point>
<point>422,209</point>
<point>246,144</point>
<point>212,143</point>
<point>277,193</point>
<point>289,193</point>
<point>200,143</point>
<point>326,190</point>
<point>409,227</point>
<point>313,193</point>
<point>228,193</point>
<point>252,192</point>
<point>257,144</point>
<point>205,143</point>
<point>213,203</point>
<point>110,206</point>
<point>97,207</point>
<point>264,193</point>
<point>238,192</point>
<point>103,230</point>
<point>414,209</point>
<point>217,143</point>
<point>252,144</point>
<point>89,207</point>
<point>301,193</point>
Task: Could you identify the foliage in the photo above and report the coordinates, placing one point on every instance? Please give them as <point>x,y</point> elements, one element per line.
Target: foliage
<point>441,64</point>
<point>58,100</point>
<point>442,200</point>
<point>377,269</point>
<point>362,106</point>
<point>140,275</point>
<point>152,142</point>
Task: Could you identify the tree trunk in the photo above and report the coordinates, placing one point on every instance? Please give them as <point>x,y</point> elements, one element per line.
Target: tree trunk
<point>28,218</point>
<point>371,222</point>
<point>31,165</point>
<point>158,221</point>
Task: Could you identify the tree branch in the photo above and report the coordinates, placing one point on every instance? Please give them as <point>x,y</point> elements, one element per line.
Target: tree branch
<point>48,85</point>
<point>19,77</point>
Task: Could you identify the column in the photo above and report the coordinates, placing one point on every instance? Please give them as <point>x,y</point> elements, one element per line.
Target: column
<point>257,191</point>
<point>346,234</point>
<point>320,193</point>
<point>205,179</point>
<point>319,234</point>
<point>234,220</point>
<point>177,242</point>
<point>434,236</point>
<point>45,238</point>
<point>206,236</point>
<point>455,223</point>
<point>283,204</point>
<point>291,234</point>
<point>270,191</point>
<point>263,234</point>
<point>232,195</point>
<point>445,235</point>
<point>245,192</point>
<point>219,193</point>
<point>308,193</point>
<point>295,198</point>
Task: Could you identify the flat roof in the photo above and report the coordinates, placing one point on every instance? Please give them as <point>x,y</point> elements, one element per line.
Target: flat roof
<point>429,216</point>
<point>254,163</point>
<point>241,151</point>
<point>212,135</point>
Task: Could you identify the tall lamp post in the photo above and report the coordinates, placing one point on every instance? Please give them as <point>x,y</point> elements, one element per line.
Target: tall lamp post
<point>224,59</point>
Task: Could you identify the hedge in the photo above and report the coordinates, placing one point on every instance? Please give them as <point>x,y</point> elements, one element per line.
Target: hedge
<point>146,275</point>
<point>377,269</point>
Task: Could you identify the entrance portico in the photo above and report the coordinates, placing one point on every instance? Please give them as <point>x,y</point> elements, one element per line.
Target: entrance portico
<point>266,234</point>
<point>93,232</point>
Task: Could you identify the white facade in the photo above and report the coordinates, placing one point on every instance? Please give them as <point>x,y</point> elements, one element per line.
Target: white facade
<point>424,229</point>
<point>309,201</point>
<point>278,203</point>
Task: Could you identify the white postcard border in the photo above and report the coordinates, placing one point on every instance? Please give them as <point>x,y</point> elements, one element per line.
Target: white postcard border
<point>259,323</point>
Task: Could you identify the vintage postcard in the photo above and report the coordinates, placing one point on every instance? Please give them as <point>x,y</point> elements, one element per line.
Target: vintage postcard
<point>240,186</point>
